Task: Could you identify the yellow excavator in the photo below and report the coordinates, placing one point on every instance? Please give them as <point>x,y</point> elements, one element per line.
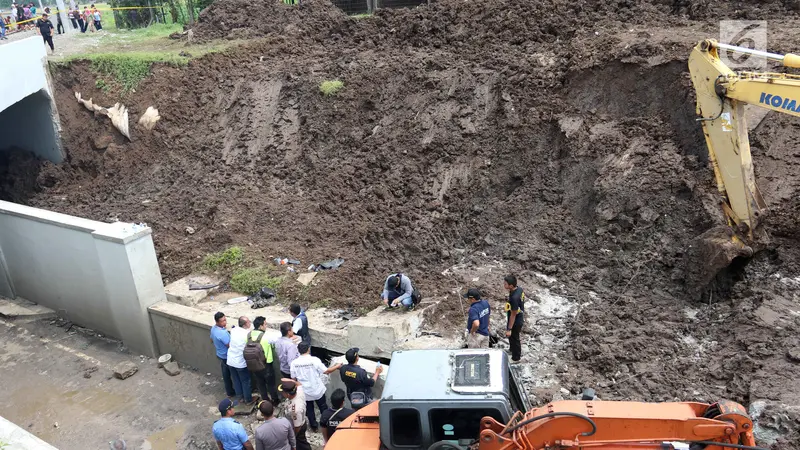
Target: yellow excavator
<point>721,96</point>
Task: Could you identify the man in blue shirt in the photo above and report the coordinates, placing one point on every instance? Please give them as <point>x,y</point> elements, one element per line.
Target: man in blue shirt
<point>230,434</point>
<point>478,320</point>
<point>222,340</point>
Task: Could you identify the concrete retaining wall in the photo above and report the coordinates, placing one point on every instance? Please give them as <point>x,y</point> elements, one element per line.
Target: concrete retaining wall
<point>98,275</point>
<point>28,114</point>
<point>13,437</point>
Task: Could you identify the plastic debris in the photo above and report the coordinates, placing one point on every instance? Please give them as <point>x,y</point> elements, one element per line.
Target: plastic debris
<point>149,118</point>
<point>264,297</point>
<point>328,265</point>
<point>117,113</point>
<point>285,261</point>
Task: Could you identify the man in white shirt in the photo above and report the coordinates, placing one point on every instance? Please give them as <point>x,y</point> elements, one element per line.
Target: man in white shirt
<point>296,411</point>
<point>239,373</point>
<point>309,371</point>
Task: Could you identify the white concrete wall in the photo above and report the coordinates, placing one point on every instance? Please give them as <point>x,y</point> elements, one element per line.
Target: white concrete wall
<point>27,97</point>
<point>99,275</point>
<point>13,437</point>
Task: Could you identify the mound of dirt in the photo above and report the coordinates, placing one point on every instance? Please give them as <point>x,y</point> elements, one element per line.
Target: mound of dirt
<point>552,139</point>
<point>237,19</point>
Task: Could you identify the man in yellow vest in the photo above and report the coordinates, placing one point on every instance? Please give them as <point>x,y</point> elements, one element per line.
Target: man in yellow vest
<point>264,379</point>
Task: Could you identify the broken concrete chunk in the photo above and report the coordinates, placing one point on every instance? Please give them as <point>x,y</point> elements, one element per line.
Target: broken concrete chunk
<point>172,368</point>
<point>305,278</point>
<point>125,370</point>
<point>793,354</point>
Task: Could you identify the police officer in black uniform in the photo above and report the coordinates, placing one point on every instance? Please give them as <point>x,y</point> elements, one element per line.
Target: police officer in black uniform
<point>515,313</point>
<point>358,382</point>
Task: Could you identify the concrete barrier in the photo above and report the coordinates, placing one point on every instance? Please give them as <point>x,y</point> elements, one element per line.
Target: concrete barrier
<point>98,275</point>
<point>13,437</point>
<point>28,113</point>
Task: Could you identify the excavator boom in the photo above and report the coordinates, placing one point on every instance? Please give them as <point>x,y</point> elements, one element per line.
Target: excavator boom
<point>721,97</point>
<point>621,425</point>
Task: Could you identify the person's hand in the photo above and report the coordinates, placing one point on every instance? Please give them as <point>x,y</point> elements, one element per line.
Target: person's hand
<point>379,370</point>
<point>508,333</point>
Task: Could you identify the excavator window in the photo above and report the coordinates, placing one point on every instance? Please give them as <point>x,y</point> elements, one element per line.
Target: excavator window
<point>448,424</point>
<point>406,428</point>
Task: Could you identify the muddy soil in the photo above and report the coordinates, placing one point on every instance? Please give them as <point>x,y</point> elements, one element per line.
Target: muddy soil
<point>556,137</point>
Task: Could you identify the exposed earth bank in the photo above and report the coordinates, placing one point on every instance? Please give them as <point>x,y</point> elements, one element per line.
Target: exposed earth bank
<point>554,138</point>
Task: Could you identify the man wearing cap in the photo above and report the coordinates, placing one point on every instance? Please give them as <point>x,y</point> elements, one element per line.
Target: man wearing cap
<point>397,290</point>
<point>308,370</point>
<point>296,411</point>
<point>221,339</point>
<point>45,28</point>
<point>230,434</point>
<point>276,433</point>
<point>356,379</point>
<point>286,349</point>
<point>478,320</point>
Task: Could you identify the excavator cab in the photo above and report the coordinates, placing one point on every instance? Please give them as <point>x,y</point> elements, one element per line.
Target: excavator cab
<point>435,399</point>
<point>442,395</point>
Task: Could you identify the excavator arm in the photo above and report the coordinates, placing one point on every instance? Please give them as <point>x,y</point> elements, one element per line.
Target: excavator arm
<point>721,96</point>
<point>603,425</point>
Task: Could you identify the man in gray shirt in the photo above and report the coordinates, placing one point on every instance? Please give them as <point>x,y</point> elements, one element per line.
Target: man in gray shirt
<point>274,433</point>
<point>286,348</point>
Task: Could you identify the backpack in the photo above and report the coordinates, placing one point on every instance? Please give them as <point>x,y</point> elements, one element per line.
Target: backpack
<point>254,354</point>
<point>416,296</point>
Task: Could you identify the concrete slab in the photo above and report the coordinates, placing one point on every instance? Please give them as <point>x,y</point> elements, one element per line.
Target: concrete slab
<point>14,437</point>
<point>179,292</point>
<point>305,278</point>
<point>20,308</point>
<point>379,332</point>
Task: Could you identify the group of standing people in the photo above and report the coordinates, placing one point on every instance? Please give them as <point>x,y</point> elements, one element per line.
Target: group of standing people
<point>89,19</point>
<point>246,354</point>
<point>478,326</point>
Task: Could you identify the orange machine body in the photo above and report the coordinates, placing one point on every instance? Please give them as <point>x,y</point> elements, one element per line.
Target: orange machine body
<point>620,425</point>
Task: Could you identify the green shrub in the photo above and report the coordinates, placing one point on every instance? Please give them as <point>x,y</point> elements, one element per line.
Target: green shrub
<point>230,257</point>
<point>331,87</point>
<point>248,281</point>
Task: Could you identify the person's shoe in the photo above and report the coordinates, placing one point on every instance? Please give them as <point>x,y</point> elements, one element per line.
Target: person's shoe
<point>411,308</point>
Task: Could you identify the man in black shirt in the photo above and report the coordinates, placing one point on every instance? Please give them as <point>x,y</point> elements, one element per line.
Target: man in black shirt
<point>357,380</point>
<point>335,415</point>
<point>45,28</point>
<point>515,313</point>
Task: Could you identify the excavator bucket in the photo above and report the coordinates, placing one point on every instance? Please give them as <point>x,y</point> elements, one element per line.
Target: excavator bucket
<point>710,255</point>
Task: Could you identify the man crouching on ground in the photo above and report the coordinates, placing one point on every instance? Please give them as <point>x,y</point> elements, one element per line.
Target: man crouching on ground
<point>397,290</point>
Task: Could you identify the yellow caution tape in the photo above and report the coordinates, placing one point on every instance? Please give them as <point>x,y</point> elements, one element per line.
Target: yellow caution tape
<point>98,9</point>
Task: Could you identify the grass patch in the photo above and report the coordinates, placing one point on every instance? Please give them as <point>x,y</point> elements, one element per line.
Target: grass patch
<point>361,16</point>
<point>331,87</point>
<point>230,257</point>
<point>138,35</point>
<point>248,281</point>
<point>101,84</point>
<point>128,69</point>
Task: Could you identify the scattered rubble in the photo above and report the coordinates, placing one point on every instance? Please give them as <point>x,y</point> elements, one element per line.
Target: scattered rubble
<point>172,368</point>
<point>125,370</point>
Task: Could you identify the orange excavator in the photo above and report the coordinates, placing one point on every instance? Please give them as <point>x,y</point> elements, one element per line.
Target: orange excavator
<point>469,399</point>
